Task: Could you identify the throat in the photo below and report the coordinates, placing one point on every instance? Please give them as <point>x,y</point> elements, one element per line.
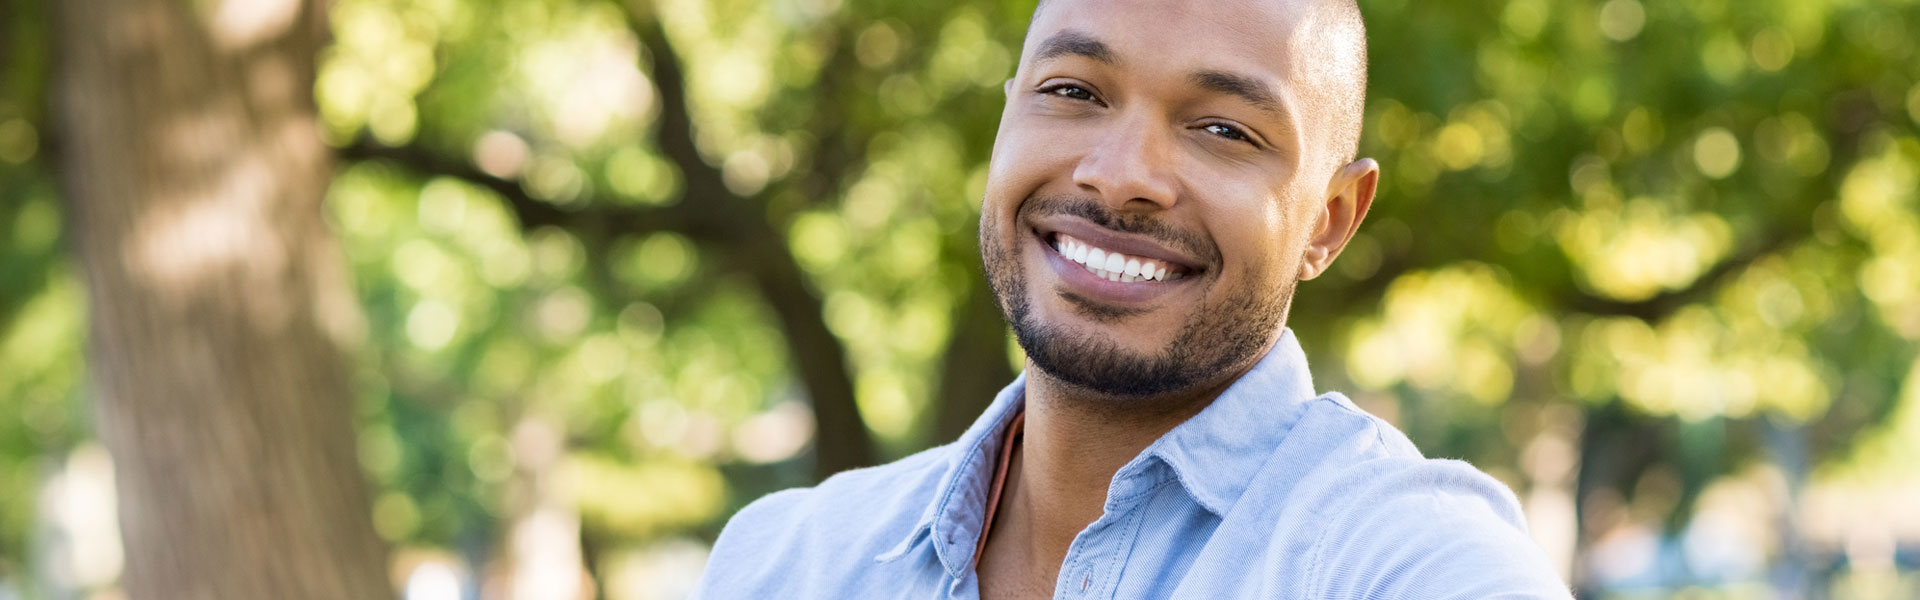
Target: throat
<point>1012,560</point>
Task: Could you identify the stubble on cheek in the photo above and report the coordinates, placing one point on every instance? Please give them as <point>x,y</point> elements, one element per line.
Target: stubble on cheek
<point>1005,277</point>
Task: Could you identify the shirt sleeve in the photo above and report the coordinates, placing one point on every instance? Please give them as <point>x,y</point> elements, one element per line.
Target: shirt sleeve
<point>743,561</point>
<point>1429,529</point>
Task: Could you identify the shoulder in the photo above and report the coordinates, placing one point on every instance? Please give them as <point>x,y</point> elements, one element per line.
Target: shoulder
<point>777,541</point>
<point>1422,527</point>
<point>859,494</point>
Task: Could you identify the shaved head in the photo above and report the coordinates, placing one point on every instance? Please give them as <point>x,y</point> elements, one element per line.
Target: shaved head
<point>1336,39</point>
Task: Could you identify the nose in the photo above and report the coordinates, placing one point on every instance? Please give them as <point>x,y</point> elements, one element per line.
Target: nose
<point>1131,166</point>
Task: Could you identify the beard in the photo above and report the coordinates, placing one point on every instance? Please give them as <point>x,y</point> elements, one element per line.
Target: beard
<point>1216,338</point>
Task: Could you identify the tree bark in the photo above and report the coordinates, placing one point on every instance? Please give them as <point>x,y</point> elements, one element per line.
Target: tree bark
<point>219,305</point>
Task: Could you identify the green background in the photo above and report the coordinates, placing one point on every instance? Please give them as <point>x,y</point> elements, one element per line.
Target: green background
<point>1654,265</point>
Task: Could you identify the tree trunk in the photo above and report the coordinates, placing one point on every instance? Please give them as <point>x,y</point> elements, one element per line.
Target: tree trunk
<point>219,306</point>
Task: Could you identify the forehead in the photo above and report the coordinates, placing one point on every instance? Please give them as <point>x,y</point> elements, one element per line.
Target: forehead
<point>1249,36</point>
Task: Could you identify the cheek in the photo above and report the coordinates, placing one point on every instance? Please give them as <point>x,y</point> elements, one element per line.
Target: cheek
<point>1033,145</point>
<point>1259,238</point>
<point>1023,162</point>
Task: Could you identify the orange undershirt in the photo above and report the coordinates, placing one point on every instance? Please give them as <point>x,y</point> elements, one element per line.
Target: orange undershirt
<point>1014,430</point>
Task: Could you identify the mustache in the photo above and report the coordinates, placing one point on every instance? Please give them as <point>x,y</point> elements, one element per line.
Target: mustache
<point>1093,210</point>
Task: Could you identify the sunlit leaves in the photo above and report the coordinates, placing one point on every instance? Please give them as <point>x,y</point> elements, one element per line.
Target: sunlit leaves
<point>1450,333</point>
<point>966,56</point>
<point>42,340</point>
<point>1633,251</point>
<point>1878,200</point>
<point>582,78</point>
<point>1553,175</point>
<point>1716,152</point>
<point>380,58</point>
<point>655,262</point>
<point>19,141</point>
<point>642,500</point>
<point>1696,366</point>
<point>636,175</point>
<point>1707,217</point>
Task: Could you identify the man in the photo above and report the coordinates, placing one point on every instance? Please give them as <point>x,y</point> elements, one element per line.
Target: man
<point>1165,172</point>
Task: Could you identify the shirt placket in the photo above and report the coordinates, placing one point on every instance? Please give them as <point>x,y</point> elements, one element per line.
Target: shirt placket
<point>1099,554</point>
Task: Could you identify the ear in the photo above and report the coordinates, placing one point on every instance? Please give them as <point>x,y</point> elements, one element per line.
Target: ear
<point>1349,195</point>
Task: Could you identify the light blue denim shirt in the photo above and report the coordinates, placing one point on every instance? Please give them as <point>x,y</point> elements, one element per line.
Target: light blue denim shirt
<point>1269,492</point>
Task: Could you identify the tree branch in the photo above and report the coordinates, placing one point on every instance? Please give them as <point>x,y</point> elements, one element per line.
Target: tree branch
<point>737,227</point>
<point>593,215</point>
<point>1664,304</point>
<point>761,250</point>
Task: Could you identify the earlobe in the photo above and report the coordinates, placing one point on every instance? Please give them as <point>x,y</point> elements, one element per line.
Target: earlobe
<point>1313,262</point>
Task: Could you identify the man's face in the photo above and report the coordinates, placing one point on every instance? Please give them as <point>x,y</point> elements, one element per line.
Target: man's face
<point>1171,134</point>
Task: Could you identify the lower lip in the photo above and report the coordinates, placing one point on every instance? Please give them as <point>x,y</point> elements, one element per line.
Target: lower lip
<point>1077,279</point>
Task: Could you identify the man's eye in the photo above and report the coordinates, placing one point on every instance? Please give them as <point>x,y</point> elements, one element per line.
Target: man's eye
<point>1228,131</point>
<point>1068,90</point>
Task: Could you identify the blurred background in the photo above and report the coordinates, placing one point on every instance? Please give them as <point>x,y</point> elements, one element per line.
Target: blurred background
<point>616,268</point>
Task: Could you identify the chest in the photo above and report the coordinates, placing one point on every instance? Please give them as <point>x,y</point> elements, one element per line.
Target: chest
<point>1146,551</point>
<point>1010,570</point>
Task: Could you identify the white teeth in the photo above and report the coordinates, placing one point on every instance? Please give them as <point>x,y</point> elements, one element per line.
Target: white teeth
<point>1112,266</point>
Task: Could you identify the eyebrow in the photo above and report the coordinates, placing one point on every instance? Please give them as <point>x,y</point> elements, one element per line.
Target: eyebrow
<point>1245,88</point>
<point>1074,43</point>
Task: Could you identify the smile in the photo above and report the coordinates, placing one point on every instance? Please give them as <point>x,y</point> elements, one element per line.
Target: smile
<point>1114,266</point>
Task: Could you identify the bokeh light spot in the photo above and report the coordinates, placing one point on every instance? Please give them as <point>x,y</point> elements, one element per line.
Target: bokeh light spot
<point>500,154</point>
<point>1621,20</point>
<point>1772,50</point>
<point>18,141</point>
<point>431,324</point>
<point>1716,152</point>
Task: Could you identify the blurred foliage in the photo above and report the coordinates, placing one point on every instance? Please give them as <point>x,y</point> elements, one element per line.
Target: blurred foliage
<point>1680,239</point>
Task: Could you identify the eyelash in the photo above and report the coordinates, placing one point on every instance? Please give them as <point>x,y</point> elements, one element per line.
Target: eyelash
<point>1055,89</point>
<point>1231,133</point>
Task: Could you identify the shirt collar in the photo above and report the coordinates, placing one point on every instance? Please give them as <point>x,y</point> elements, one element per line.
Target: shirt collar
<point>1217,453</point>
<point>953,518</point>
<point>1214,454</point>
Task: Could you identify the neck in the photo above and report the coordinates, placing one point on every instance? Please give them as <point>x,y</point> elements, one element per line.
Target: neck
<point>1073,445</point>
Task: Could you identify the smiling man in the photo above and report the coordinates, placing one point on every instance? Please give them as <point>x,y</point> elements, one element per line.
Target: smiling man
<point>1165,173</point>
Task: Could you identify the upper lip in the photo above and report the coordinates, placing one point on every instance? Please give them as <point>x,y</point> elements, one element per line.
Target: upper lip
<point>1114,241</point>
